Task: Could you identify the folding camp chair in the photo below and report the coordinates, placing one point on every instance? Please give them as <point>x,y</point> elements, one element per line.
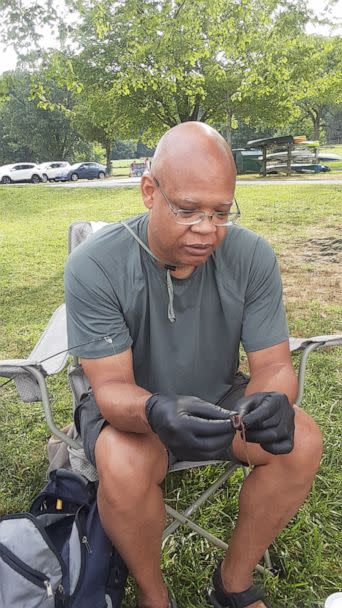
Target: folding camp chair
<point>50,356</point>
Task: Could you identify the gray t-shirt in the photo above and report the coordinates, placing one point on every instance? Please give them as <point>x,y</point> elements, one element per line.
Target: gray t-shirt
<point>116,297</point>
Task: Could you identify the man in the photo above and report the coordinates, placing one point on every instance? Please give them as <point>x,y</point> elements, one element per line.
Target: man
<point>161,304</point>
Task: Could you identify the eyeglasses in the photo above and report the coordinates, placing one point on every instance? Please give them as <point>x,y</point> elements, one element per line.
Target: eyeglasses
<point>188,217</point>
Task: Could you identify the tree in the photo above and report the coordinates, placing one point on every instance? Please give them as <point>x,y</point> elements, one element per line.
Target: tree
<point>317,70</point>
<point>94,118</point>
<point>334,125</point>
<point>165,62</point>
<point>21,22</point>
<point>124,149</point>
<point>24,126</point>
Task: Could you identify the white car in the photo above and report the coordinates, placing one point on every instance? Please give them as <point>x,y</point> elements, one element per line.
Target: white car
<point>54,169</point>
<point>21,172</point>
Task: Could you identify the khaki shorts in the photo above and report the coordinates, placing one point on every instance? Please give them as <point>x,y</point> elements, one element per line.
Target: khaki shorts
<point>89,422</point>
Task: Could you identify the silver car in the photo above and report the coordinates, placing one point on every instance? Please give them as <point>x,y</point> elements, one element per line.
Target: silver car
<point>53,169</point>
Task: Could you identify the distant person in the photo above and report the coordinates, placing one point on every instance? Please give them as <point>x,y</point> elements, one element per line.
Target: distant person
<point>175,291</point>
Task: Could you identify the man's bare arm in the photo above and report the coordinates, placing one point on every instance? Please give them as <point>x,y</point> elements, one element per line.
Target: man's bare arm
<point>120,400</point>
<point>271,369</point>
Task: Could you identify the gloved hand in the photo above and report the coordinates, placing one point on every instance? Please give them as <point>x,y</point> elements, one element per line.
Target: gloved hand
<point>268,420</point>
<point>191,428</point>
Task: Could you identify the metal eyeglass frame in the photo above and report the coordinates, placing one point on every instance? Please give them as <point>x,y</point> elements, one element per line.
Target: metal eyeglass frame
<point>201,214</point>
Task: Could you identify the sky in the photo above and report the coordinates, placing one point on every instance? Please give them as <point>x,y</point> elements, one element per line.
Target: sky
<point>8,56</point>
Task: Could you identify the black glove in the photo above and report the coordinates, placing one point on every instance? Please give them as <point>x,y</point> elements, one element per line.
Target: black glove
<point>268,420</point>
<point>191,428</point>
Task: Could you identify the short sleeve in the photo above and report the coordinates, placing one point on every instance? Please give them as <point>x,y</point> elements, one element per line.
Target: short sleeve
<point>95,322</point>
<point>264,319</point>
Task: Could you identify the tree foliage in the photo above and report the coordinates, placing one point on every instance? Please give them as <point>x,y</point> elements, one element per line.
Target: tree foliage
<point>317,71</point>
<point>94,118</point>
<point>171,61</point>
<point>137,67</point>
<point>31,133</point>
<point>22,22</point>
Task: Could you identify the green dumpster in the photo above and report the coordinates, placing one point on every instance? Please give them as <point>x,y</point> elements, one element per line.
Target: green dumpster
<point>247,160</point>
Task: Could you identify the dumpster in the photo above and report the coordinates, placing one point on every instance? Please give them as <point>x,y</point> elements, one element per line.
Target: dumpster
<point>247,161</point>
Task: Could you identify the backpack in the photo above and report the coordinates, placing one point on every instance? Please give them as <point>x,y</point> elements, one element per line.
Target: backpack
<point>57,555</point>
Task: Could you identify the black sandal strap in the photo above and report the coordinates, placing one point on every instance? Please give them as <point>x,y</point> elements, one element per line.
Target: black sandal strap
<point>220,598</point>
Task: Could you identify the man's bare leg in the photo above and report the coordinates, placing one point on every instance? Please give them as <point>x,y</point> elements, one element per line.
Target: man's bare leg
<point>269,497</point>
<point>131,506</point>
<point>132,511</point>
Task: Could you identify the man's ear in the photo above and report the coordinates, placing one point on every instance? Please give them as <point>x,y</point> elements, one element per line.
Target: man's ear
<point>147,187</point>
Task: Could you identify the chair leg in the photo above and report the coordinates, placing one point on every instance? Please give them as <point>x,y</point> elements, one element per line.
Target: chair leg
<point>302,369</point>
<point>202,498</point>
<point>183,519</point>
<point>213,539</point>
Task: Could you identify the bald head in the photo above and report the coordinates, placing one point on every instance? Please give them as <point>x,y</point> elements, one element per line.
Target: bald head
<point>192,148</point>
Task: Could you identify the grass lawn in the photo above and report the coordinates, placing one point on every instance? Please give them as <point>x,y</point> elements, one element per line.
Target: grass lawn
<point>335,149</point>
<point>303,223</point>
<point>122,167</point>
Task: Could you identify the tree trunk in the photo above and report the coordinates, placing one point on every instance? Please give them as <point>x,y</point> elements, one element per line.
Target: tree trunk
<point>228,128</point>
<point>108,147</point>
<point>317,126</point>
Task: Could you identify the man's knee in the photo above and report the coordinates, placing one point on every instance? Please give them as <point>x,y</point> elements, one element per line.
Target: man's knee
<point>128,464</point>
<point>308,445</point>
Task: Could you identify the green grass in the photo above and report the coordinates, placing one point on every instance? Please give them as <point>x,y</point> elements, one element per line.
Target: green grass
<point>336,165</point>
<point>121,168</point>
<point>296,219</point>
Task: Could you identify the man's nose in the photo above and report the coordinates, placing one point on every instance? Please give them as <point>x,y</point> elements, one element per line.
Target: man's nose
<point>206,226</point>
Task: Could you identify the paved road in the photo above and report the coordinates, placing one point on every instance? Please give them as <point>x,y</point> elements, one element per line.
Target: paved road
<point>135,181</point>
<point>97,183</point>
<point>289,182</point>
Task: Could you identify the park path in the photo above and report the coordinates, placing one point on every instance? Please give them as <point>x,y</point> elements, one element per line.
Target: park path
<point>135,181</point>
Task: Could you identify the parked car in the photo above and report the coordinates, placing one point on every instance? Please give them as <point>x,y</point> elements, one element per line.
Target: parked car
<point>83,171</point>
<point>21,172</point>
<point>53,169</point>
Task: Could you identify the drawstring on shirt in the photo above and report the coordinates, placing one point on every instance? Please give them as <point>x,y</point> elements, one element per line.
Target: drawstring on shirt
<point>168,267</point>
<point>170,310</point>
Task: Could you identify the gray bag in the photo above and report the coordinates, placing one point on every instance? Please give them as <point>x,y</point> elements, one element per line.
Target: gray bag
<point>58,555</point>
<point>30,568</point>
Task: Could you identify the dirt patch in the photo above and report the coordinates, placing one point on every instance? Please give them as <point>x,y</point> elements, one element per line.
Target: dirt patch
<point>325,249</point>
<point>311,270</point>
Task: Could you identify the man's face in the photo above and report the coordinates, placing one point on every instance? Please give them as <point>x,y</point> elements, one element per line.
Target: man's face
<point>187,245</point>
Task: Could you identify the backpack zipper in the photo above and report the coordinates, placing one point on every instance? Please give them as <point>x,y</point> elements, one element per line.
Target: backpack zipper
<point>34,576</point>
<point>85,546</point>
<point>48,587</point>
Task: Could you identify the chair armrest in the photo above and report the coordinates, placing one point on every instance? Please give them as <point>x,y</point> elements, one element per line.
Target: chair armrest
<point>20,370</point>
<point>307,346</point>
<point>49,356</point>
<point>321,341</point>
<point>31,384</point>
<point>51,350</point>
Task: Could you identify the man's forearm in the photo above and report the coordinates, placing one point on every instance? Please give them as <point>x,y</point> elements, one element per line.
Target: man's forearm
<point>123,406</point>
<point>278,378</point>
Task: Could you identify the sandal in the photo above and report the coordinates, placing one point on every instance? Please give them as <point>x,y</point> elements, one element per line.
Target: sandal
<point>220,598</point>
